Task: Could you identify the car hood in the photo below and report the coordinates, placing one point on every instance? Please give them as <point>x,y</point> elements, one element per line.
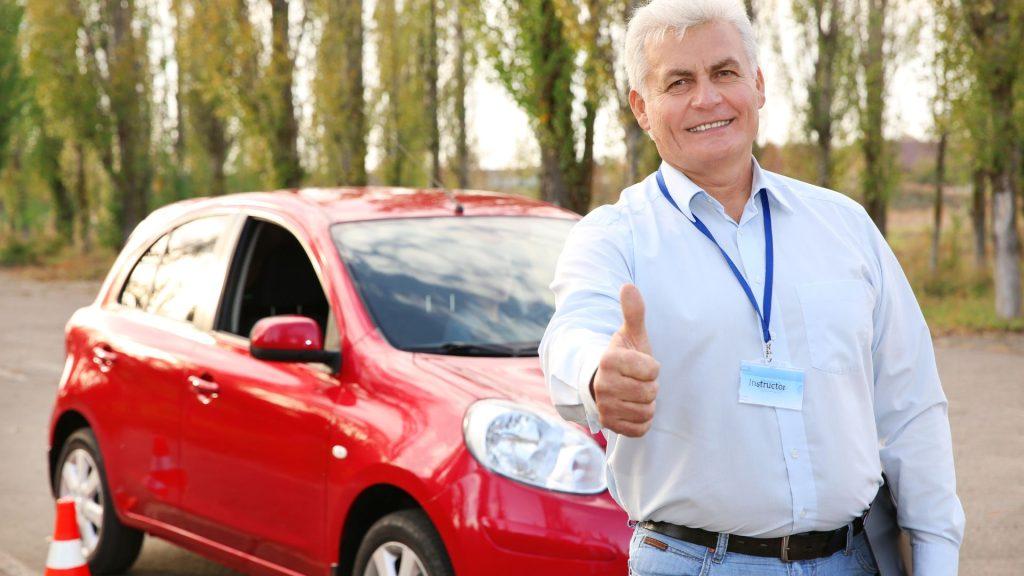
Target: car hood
<point>517,379</point>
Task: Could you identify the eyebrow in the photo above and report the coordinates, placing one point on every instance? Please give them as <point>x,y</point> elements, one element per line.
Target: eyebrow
<point>728,62</point>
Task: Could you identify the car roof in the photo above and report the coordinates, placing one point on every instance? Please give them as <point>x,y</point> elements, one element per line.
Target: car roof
<point>379,202</point>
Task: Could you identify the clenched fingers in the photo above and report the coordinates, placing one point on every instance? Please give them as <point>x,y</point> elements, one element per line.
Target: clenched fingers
<point>630,363</point>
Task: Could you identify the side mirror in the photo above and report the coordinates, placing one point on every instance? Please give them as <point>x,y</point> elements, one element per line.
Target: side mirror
<point>290,338</point>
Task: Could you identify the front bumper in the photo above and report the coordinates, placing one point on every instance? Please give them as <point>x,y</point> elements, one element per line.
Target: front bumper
<point>498,526</point>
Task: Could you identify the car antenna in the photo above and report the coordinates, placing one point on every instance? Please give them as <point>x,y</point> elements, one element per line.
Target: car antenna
<point>459,208</point>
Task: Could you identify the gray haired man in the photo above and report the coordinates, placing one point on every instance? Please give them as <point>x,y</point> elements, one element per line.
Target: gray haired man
<point>747,343</point>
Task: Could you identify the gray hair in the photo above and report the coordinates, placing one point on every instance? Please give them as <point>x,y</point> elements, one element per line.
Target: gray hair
<point>651,22</point>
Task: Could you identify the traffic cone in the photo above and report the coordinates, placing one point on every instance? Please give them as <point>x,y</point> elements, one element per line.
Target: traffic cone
<point>65,557</point>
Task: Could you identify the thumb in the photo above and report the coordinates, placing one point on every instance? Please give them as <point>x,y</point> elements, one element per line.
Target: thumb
<point>633,329</point>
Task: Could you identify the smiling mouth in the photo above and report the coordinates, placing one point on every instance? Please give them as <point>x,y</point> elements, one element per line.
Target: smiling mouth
<point>709,126</point>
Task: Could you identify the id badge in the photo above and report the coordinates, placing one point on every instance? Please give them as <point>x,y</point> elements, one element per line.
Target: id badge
<point>774,386</point>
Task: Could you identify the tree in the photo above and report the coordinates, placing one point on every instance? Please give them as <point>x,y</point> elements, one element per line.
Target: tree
<point>946,62</point>
<point>12,88</point>
<point>280,73</point>
<point>91,68</point>
<point>403,118</point>
<point>536,63</point>
<point>876,178</point>
<point>997,40</point>
<point>204,66</point>
<point>339,91</point>
<point>824,36</point>
<point>464,60</point>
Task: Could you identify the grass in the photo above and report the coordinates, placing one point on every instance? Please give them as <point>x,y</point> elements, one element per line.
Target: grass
<point>956,297</point>
<point>49,260</point>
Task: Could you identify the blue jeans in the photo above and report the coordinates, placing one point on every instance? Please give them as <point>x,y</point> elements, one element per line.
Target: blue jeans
<point>681,558</point>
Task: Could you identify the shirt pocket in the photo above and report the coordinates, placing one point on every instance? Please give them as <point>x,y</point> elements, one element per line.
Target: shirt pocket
<point>838,322</point>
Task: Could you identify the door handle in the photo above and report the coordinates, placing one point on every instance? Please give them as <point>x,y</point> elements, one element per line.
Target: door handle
<point>104,357</point>
<point>205,388</point>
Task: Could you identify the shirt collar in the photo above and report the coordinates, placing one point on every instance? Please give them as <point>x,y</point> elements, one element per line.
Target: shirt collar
<point>683,190</point>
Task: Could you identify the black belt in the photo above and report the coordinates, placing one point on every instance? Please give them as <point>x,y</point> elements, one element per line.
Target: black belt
<point>803,546</point>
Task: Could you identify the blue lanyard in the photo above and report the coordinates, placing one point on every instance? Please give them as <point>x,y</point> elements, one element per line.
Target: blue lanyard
<point>768,257</point>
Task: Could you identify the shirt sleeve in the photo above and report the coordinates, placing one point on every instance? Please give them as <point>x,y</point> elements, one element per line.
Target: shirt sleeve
<point>594,265</point>
<point>915,445</point>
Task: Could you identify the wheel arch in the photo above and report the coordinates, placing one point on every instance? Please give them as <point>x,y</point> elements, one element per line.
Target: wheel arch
<point>372,504</point>
<point>68,423</point>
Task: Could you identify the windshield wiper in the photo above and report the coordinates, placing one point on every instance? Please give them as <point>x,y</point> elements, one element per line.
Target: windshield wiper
<point>476,349</point>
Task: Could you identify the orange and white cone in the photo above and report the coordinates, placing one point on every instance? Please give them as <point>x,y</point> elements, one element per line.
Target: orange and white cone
<point>65,557</point>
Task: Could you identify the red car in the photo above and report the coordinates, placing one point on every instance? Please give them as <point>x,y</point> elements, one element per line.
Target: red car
<point>336,381</point>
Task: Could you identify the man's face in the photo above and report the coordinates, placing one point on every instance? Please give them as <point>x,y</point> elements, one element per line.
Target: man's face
<point>703,97</point>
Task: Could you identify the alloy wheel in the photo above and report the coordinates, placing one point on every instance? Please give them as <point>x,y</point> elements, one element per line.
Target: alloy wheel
<point>80,481</point>
<point>394,559</point>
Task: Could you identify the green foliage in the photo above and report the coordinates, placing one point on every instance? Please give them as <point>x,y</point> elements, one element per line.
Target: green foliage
<point>399,102</point>
<point>531,51</point>
<point>12,85</point>
<point>340,108</point>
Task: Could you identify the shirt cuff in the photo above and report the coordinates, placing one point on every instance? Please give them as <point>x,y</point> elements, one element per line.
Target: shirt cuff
<point>935,557</point>
<point>588,368</point>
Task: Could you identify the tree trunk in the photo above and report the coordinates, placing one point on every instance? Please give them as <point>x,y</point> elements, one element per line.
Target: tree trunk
<point>563,176</point>
<point>63,209</point>
<point>217,146</point>
<point>1004,205</point>
<point>461,132</point>
<point>82,206</point>
<point>875,179</point>
<point>979,179</point>
<point>133,175</point>
<point>822,91</point>
<point>353,161</point>
<point>285,129</point>
<point>940,177</point>
<point>433,129</point>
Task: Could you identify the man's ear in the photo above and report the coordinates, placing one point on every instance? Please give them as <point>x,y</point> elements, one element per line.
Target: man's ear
<point>759,84</point>
<point>639,107</point>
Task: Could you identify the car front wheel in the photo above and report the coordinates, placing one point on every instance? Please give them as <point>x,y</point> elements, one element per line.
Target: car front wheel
<point>404,543</point>
<point>109,546</point>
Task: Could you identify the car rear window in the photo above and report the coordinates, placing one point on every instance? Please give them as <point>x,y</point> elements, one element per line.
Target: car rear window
<point>480,283</point>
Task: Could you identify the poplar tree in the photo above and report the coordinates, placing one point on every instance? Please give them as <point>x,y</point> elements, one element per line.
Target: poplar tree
<point>824,35</point>
<point>340,107</point>
<point>876,179</point>
<point>997,40</point>
<point>91,68</point>
<point>536,63</point>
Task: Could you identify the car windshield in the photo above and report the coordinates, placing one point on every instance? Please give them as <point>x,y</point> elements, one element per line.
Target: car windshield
<point>474,286</point>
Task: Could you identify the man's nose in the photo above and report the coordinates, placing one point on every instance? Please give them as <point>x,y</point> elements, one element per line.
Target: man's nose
<point>706,95</point>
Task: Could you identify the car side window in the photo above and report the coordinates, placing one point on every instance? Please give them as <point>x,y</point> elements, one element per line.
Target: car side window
<point>182,279</point>
<point>139,286</point>
<point>272,275</point>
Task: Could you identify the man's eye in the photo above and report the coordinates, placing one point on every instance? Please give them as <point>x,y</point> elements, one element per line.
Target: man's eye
<point>727,74</point>
<point>677,84</point>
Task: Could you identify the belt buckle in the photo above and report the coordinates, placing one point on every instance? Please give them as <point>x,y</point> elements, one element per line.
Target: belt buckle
<point>784,555</point>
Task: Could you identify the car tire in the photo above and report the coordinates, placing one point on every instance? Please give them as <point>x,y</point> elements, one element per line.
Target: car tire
<point>116,545</point>
<point>405,536</point>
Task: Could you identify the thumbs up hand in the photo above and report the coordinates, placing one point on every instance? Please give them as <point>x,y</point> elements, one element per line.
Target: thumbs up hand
<point>625,384</point>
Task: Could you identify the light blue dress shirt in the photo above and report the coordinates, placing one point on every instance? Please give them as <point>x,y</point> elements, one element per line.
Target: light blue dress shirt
<point>842,310</point>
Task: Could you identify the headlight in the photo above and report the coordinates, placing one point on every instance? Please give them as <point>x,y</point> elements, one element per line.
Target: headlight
<point>524,445</point>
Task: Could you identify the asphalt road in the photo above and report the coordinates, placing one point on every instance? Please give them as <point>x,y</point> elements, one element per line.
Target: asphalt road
<point>983,378</point>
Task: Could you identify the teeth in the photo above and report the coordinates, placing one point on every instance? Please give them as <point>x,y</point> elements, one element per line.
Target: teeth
<point>709,126</point>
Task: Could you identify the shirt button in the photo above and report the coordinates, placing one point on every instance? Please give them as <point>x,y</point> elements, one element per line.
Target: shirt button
<point>803,513</point>
<point>794,454</point>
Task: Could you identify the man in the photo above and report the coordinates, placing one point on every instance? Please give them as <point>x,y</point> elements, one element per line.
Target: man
<point>747,343</point>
